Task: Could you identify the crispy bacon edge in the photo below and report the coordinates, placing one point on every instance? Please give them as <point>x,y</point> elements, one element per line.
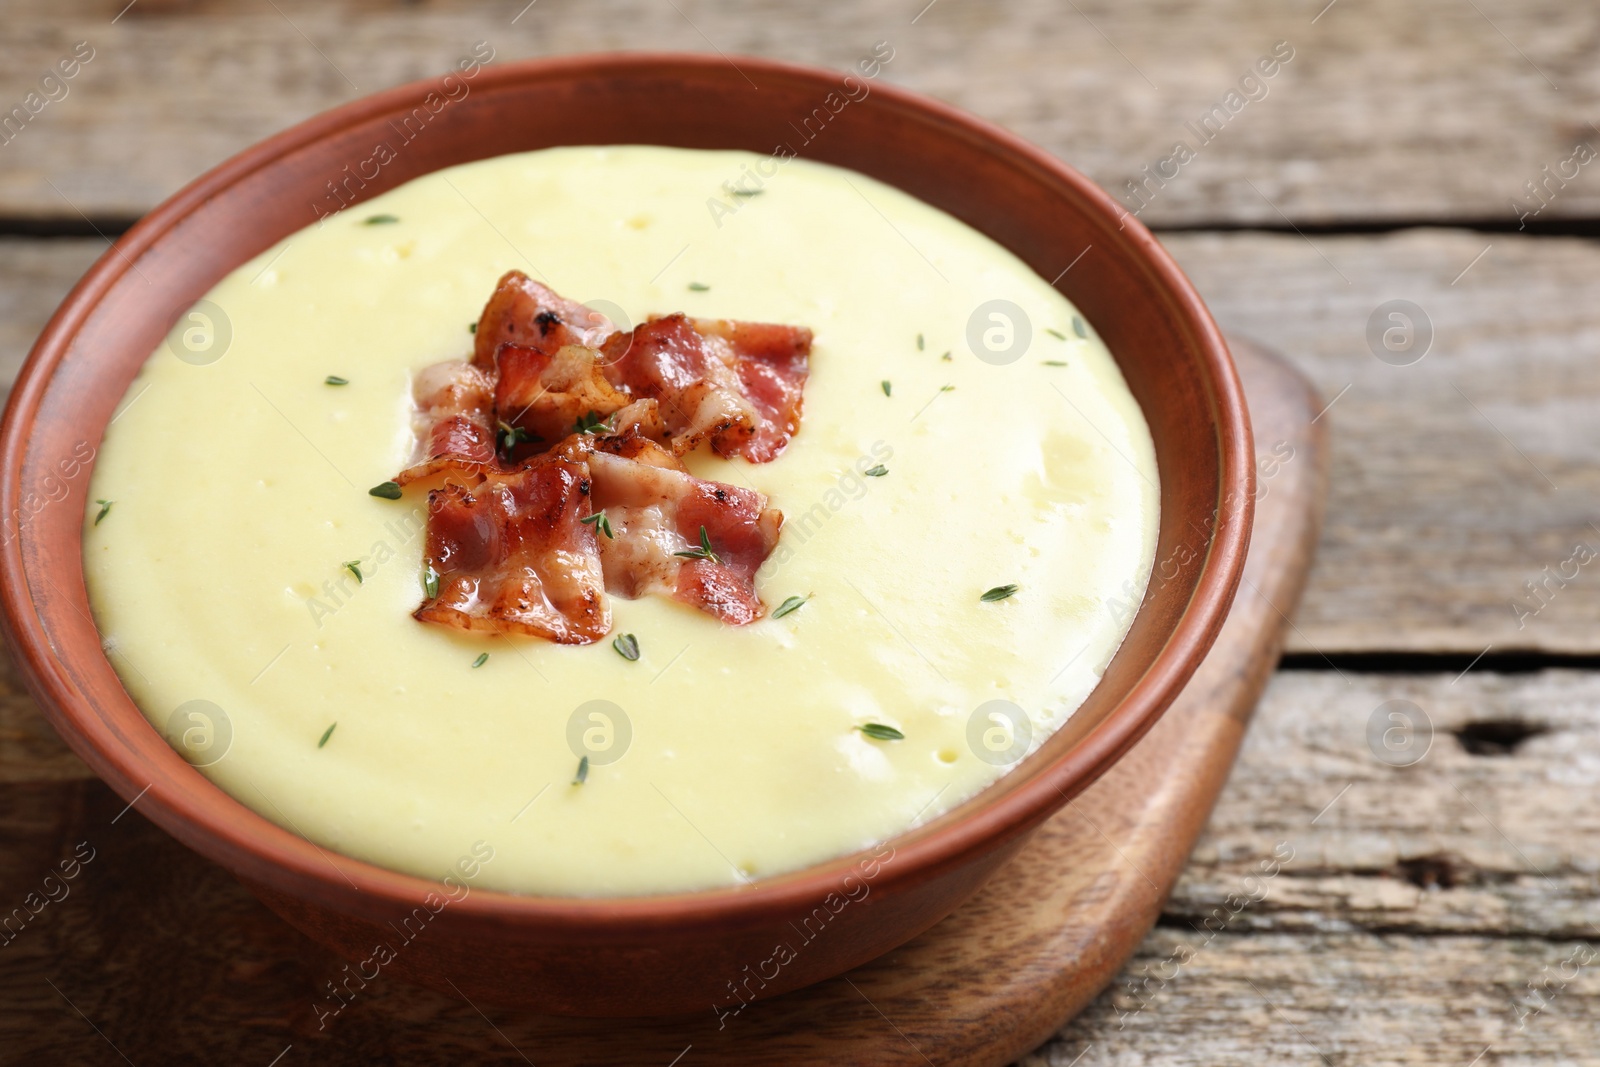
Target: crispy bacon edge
<point>737,384</point>
<point>527,313</point>
<point>657,512</point>
<point>454,422</point>
<point>773,363</point>
<point>512,555</point>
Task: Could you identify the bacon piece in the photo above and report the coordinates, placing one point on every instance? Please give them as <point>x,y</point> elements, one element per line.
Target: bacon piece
<point>512,555</point>
<point>641,419</point>
<point>523,312</point>
<point>454,422</point>
<point>629,445</point>
<point>656,511</point>
<point>545,393</point>
<point>736,384</point>
<point>773,362</point>
<point>667,360</point>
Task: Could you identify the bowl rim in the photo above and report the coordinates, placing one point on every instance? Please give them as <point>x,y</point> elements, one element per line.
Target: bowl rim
<point>277,858</point>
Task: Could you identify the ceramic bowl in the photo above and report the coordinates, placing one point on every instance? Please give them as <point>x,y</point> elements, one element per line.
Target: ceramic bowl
<point>658,954</point>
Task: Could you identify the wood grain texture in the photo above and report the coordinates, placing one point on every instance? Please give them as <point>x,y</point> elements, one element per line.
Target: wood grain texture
<point>991,982</point>
<point>1439,512</point>
<point>1489,833</point>
<point>1345,1000</point>
<point>1457,479</point>
<point>1433,110</point>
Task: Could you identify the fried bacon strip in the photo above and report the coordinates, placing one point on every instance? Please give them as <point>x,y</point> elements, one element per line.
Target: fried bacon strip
<point>543,394</point>
<point>735,384</point>
<point>523,312</point>
<point>560,416</point>
<point>512,555</point>
<point>667,360</point>
<point>657,512</point>
<point>454,422</point>
<point>772,362</point>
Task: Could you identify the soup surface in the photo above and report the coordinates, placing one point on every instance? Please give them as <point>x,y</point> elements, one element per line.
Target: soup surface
<point>964,430</point>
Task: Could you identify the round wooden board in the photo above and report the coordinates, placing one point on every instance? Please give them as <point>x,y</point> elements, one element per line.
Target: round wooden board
<point>1017,961</point>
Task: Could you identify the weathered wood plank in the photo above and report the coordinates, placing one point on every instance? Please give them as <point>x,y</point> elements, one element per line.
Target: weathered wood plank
<point>1428,913</point>
<point>1456,479</point>
<point>1489,832</point>
<point>1440,509</point>
<point>1427,110</point>
<point>1343,1000</point>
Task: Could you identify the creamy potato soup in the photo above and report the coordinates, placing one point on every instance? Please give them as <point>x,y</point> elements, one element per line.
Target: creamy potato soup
<point>969,517</point>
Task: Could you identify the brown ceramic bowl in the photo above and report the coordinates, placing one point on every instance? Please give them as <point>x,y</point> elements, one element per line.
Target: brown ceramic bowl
<point>660,954</point>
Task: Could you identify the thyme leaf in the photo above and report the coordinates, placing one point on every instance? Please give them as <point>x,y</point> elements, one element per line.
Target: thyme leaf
<point>794,603</point>
<point>511,436</point>
<point>599,521</point>
<point>593,423</point>
<point>704,551</point>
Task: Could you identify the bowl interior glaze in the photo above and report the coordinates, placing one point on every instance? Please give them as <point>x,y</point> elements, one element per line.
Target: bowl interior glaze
<point>1169,349</point>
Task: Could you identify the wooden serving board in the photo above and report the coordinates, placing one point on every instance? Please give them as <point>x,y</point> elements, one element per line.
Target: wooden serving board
<point>161,956</point>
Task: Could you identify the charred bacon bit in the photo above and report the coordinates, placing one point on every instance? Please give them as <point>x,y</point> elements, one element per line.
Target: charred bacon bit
<point>454,422</point>
<point>512,556</point>
<point>545,393</point>
<point>524,312</point>
<point>736,384</point>
<point>696,385</point>
<point>630,444</point>
<point>642,419</point>
<point>657,512</point>
<point>773,362</point>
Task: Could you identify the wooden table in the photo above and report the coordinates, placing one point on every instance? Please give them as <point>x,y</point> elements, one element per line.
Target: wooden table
<point>1438,913</point>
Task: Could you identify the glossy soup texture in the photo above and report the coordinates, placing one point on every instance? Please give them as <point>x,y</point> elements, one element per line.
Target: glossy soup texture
<point>1011,451</point>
